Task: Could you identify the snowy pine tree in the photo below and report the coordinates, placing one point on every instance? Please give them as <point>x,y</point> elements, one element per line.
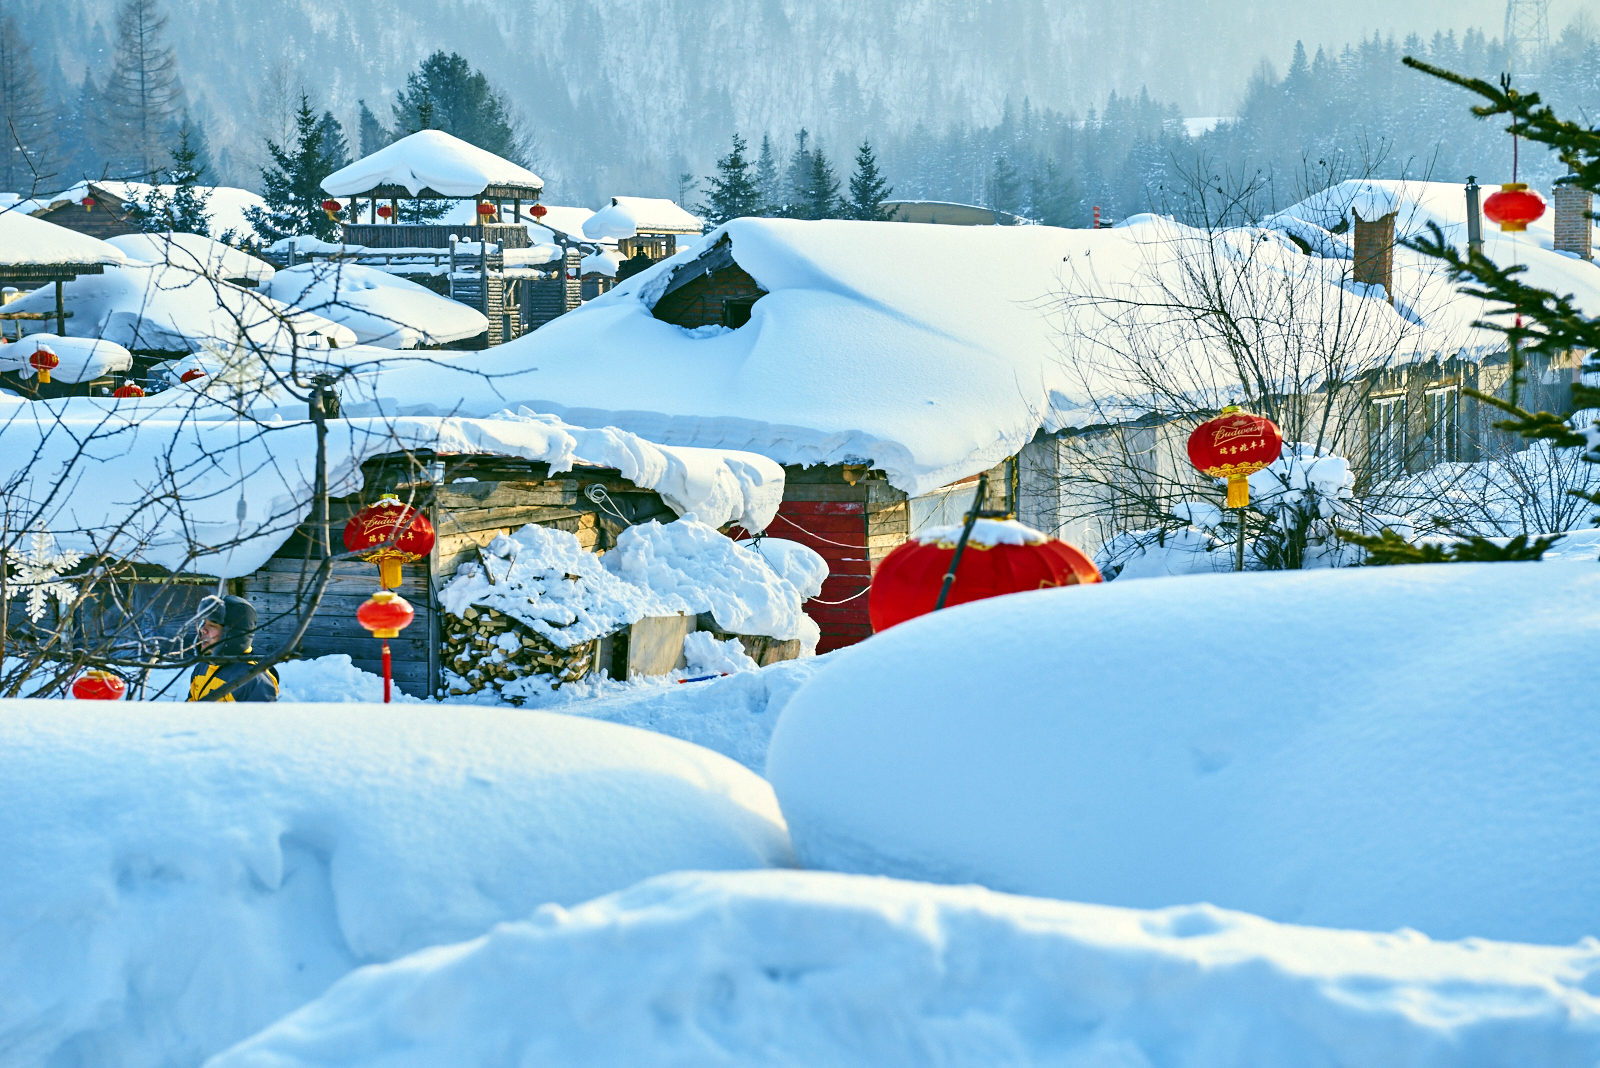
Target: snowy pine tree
<point>372,135</point>
<point>822,190</point>
<point>767,183</point>
<point>143,95</point>
<point>445,93</point>
<point>868,190</point>
<point>184,211</point>
<point>335,153</point>
<point>292,185</point>
<point>733,190</point>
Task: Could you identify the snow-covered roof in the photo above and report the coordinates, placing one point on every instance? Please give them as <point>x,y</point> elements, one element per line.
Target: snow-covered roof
<point>432,159</point>
<point>82,359</point>
<point>605,262</point>
<point>631,216</point>
<point>29,242</point>
<point>225,205</point>
<point>193,252</point>
<point>381,308</point>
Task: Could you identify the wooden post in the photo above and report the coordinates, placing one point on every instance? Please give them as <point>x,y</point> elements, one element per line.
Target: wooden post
<point>61,312</point>
<point>516,209</point>
<point>394,211</point>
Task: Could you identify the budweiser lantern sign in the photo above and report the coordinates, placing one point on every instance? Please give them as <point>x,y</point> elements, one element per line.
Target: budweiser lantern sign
<point>389,521</point>
<point>1001,556</point>
<point>1234,446</point>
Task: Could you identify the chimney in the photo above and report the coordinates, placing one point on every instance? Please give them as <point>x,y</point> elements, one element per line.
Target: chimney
<point>1572,225</point>
<point>1375,252</point>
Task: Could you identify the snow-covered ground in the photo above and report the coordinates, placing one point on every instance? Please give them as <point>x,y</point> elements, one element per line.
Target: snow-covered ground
<point>805,968</point>
<point>1366,747</point>
<point>176,877</point>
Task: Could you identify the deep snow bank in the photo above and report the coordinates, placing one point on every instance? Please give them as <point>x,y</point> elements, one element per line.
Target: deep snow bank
<point>807,968</point>
<point>1371,747</point>
<point>175,877</point>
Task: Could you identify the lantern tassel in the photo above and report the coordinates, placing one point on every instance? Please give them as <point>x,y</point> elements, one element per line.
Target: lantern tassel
<point>44,377</point>
<point>386,669</point>
<point>1238,492</point>
<point>389,572</point>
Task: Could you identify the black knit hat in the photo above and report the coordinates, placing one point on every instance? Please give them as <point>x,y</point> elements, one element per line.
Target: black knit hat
<point>237,618</point>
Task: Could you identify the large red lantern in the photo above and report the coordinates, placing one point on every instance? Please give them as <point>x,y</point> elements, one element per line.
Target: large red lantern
<point>538,211</point>
<point>88,203</point>
<point>384,211</point>
<point>385,614</point>
<point>1234,446</point>
<point>128,389</point>
<point>98,685</point>
<point>1000,557</point>
<point>333,208</point>
<point>487,210</point>
<point>386,521</point>
<point>44,361</point>
<point>1514,207</point>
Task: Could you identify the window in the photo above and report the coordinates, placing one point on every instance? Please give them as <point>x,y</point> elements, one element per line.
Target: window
<point>1443,406</point>
<point>736,311</point>
<point>1386,437</point>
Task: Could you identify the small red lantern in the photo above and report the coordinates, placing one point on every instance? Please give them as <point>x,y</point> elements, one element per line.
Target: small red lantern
<point>386,521</point>
<point>538,211</point>
<point>488,209</point>
<point>44,361</point>
<point>999,558</point>
<point>384,211</point>
<point>128,389</point>
<point>385,614</point>
<point>88,203</point>
<point>1234,446</point>
<point>333,208</point>
<point>98,685</point>
<point>1514,207</point>
<point>191,374</point>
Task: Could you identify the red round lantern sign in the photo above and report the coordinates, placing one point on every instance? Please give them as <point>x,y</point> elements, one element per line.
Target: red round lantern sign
<point>1514,207</point>
<point>384,211</point>
<point>97,685</point>
<point>333,208</point>
<point>538,211</point>
<point>385,614</point>
<point>488,209</point>
<point>128,389</point>
<point>1234,446</point>
<point>389,520</point>
<point>88,203</point>
<point>1002,556</point>
<point>44,361</point>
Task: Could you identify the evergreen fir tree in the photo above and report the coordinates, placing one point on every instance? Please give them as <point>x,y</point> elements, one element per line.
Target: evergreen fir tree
<point>143,95</point>
<point>335,153</point>
<point>797,178</point>
<point>1005,190</point>
<point>868,190</point>
<point>76,116</point>
<point>733,191</point>
<point>24,116</point>
<point>445,93</point>
<point>194,130</point>
<point>822,194</point>
<point>184,210</point>
<point>372,134</point>
<point>292,185</point>
<point>767,179</point>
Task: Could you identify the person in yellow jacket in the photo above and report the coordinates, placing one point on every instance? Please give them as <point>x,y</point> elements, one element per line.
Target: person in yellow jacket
<point>228,629</point>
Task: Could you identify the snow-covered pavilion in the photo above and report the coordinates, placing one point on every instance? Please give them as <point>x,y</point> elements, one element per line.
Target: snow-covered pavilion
<point>35,253</point>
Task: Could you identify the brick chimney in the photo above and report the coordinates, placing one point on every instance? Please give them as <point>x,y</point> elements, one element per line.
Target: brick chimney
<point>1573,227</point>
<point>1375,252</point>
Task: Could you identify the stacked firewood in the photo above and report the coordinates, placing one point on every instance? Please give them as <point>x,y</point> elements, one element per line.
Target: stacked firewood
<point>486,647</point>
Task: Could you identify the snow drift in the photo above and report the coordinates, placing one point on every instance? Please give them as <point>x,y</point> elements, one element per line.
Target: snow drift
<point>805,968</point>
<point>177,876</point>
<point>1369,748</point>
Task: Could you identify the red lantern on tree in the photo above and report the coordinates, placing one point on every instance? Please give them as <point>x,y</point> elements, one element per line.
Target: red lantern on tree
<point>999,558</point>
<point>486,210</point>
<point>1514,207</point>
<point>88,203</point>
<point>384,211</point>
<point>191,374</point>
<point>389,521</point>
<point>333,208</point>
<point>128,389</point>
<point>538,211</point>
<point>44,361</point>
<point>1234,446</point>
<point>98,685</point>
<point>385,614</point>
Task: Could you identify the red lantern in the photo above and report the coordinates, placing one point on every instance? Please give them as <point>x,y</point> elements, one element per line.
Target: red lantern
<point>333,208</point>
<point>98,685</point>
<point>128,389</point>
<point>385,614</point>
<point>88,203</point>
<point>44,361</point>
<point>1234,446</point>
<point>538,211</point>
<point>191,374</point>
<point>488,209</point>
<point>384,211</point>
<point>389,520</point>
<point>1514,207</point>
<point>908,581</point>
